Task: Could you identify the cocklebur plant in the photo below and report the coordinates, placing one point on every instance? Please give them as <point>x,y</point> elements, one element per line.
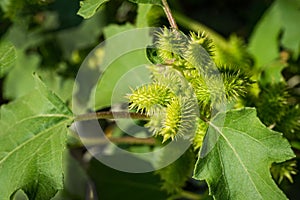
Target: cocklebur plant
<point>194,56</point>
<point>170,102</point>
<point>182,56</point>
<point>197,86</point>
<point>180,91</point>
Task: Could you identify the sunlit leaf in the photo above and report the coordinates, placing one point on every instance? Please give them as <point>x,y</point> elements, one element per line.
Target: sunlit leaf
<point>89,7</point>
<point>142,13</point>
<point>237,164</point>
<point>266,40</point>
<point>127,54</point>
<point>33,132</point>
<point>263,42</point>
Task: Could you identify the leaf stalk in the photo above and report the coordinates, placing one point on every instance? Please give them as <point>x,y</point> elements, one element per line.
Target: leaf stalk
<point>111,115</point>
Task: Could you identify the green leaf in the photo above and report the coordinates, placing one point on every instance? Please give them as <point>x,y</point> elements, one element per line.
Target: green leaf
<point>174,176</point>
<point>142,13</point>
<point>125,55</point>
<point>33,132</point>
<point>89,7</point>
<point>272,73</point>
<point>237,164</point>
<point>264,43</point>
<point>114,29</point>
<point>264,40</point>
<point>84,36</point>
<point>154,2</point>
<point>290,11</point>
<point>7,56</point>
<point>26,65</point>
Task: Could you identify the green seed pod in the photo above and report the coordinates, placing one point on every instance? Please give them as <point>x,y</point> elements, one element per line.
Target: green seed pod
<point>148,98</point>
<point>284,170</point>
<point>202,39</point>
<point>200,133</point>
<point>236,82</point>
<point>180,119</point>
<point>170,46</point>
<point>272,103</point>
<point>289,124</point>
<point>172,121</point>
<point>198,54</point>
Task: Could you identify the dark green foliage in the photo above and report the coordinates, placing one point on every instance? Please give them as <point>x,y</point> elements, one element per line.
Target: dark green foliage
<point>284,170</point>
<point>272,103</point>
<point>191,55</point>
<point>289,124</point>
<point>111,184</point>
<point>236,81</point>
<point>170,45</point>
<point>176,174</point>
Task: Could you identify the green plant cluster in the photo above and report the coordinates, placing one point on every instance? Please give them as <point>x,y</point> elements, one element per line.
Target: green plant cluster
<point>184,71</point>
<point>237,102</point>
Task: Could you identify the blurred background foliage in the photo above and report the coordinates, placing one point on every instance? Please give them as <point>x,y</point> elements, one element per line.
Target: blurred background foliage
<point>52,40</point>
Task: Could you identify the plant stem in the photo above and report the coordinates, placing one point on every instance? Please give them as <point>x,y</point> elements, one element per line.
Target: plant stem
<point>169,14</point>
<point>118,115</point>
<point>115,140</point>
<point>111,115</point>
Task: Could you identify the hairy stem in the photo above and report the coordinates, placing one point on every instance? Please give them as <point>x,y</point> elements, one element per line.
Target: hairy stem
<point>111,115</point>
<point>118,115</point>
<point>169,14</point>
<point>116,140</point>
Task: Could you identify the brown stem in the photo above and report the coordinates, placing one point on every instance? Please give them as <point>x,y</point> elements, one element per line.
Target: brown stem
<point>118,115</point>
<point>111,115</point>
<point>121,140</point>
<point>169,14</point>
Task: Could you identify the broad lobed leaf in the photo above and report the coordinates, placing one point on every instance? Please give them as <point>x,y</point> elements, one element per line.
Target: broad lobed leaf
<point>89,7</point>
<point>237,156</point>
<point>33,130</point>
